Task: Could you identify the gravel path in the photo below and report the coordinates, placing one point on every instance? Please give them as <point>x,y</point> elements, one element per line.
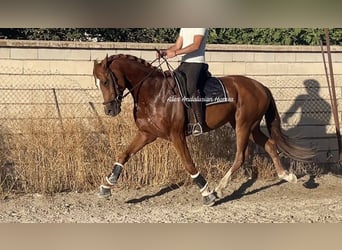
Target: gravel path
<point>310,200</point>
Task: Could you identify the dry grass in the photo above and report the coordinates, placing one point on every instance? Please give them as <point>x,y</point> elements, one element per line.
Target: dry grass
<point>44,158</point>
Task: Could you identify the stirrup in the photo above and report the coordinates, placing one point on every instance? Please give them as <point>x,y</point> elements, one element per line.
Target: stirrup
<point>197,129</point>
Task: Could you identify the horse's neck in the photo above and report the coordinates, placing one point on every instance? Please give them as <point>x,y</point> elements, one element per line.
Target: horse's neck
<point>161,87</point>
<point>136,75</point>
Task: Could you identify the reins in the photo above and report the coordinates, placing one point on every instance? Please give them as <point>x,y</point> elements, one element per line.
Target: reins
<point>119,96</point>
<point>141,81</point>
<point>171,69</point>
<point>177,81</point>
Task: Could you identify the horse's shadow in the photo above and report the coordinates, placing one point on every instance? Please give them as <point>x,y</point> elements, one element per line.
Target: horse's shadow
<point>239,193</point>
<point>236,195</point>
<point>161,192</point>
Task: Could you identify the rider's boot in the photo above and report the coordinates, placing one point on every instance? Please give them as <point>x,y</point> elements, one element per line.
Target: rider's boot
<point>199,127</point>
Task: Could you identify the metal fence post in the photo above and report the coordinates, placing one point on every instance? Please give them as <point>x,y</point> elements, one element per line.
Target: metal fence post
<point>332,91</point>
<point>58,109</point>
<point>103,131</point>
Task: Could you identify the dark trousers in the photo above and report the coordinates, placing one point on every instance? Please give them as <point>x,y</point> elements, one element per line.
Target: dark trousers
<point>196,74</point>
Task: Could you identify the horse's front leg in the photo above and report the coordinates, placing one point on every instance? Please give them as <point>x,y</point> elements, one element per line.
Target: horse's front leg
<point>179,142</point>
<point>139,141</point>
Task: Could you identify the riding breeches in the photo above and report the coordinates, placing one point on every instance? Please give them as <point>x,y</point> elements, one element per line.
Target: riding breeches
<point>196,74</point>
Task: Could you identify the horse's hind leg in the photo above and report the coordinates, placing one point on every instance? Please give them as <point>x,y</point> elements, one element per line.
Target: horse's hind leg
<point>271,148</point>
<point>179,143</point>
<point>242,135</point>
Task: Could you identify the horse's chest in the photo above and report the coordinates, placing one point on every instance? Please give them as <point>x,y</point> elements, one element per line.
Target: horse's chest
<point>146,115</point>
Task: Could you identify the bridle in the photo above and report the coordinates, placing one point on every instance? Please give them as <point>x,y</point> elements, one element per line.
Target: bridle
<point>118,93</point>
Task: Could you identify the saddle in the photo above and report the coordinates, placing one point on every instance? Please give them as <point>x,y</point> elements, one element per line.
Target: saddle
<point>213,92</point>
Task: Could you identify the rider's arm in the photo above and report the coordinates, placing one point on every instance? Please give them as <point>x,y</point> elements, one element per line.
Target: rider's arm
<point>192,47</point>
<point>177,49</point>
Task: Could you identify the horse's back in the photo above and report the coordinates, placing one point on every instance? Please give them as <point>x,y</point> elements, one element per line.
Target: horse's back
<point>248,93</point>
<point>244,85</point>
<point>241,81</point>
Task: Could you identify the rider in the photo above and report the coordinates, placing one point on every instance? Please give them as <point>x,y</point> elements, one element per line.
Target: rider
<point>191,44</point>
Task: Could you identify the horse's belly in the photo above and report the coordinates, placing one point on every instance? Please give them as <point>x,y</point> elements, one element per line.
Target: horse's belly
<point>220,114</point>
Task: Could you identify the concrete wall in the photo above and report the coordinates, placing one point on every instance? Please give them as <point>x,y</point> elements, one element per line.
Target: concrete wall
<point>295,75</point>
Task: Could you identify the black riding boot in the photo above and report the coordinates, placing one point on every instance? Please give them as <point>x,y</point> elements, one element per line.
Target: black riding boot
<point>198,109</point>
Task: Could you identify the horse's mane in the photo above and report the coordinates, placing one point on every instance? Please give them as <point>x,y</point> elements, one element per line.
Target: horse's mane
<point>138,60</point>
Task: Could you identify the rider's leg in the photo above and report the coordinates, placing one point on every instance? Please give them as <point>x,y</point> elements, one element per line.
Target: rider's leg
<point>195,79</point>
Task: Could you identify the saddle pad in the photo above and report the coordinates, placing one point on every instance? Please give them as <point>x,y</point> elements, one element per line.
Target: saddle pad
<point>214,92</point>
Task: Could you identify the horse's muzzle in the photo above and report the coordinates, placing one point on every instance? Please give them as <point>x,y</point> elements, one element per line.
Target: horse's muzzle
<point>112,108</point>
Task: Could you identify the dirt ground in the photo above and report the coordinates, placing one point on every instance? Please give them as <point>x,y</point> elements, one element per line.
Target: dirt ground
<point>310,200</point>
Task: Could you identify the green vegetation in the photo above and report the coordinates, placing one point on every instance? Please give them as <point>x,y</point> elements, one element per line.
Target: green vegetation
<point>258,36</point>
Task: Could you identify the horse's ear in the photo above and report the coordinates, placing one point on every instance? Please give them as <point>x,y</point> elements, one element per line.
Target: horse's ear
<point>95,63</point>
<point>104,62</point>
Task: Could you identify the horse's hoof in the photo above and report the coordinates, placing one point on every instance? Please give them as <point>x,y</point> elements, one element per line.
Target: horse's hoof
<point>218,193</point>
<point>104,192</point>
<point>292,178</point>
<point>210,199</point>
<point>289,177</point>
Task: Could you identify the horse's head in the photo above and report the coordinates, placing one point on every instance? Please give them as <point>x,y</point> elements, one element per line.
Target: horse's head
<point>108,83</point>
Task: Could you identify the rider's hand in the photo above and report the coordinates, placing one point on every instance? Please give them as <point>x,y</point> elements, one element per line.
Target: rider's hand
<point>170,53</point>
<point>160,53</point>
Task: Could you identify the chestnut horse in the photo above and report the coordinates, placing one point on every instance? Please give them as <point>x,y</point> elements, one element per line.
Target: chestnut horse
<point>155,117</point>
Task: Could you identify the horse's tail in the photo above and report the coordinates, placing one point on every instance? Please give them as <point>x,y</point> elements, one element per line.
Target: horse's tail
<point>287,145</point>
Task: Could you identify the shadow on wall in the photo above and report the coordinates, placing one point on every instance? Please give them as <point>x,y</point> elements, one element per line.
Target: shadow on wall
<point>311,115</point>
